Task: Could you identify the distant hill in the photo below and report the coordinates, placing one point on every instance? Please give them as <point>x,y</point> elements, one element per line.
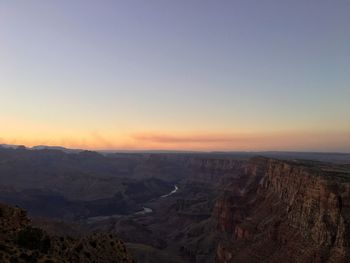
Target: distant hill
<point>60,148</point>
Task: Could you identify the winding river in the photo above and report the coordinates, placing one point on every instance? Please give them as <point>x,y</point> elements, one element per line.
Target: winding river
<point>146,210</point>
<point>172,192</point>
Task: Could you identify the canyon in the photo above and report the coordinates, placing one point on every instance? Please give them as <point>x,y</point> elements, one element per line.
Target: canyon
<point>292,211</point>
<point>201,207</point>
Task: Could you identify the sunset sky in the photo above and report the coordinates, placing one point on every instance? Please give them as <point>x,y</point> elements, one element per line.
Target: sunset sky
<point>177,75</point>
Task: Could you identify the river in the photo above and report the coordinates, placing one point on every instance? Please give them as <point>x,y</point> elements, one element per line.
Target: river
<point>172,192</point>
<point>146,210</point>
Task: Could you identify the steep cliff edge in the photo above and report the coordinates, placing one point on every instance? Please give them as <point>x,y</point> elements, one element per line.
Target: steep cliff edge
<point>20,242</point>
<point>292,211</point>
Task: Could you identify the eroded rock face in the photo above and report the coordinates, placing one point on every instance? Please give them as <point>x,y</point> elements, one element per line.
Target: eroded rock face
<point>20,242</point>
<point>215,169</point>
<point>291,211</point>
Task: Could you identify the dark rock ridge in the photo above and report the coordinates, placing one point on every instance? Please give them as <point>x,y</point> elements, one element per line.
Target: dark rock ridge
<point>290,211</point>
<point>20,242</point>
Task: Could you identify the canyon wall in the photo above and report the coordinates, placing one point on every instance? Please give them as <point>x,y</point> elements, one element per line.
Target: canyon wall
<point>290,211</point>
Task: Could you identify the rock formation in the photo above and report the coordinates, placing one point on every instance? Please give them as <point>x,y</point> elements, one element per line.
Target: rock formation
<point>292,211</point>
<point>20,242</point>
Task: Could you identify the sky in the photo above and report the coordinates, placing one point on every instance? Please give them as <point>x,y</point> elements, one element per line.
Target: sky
<point>176,74</point>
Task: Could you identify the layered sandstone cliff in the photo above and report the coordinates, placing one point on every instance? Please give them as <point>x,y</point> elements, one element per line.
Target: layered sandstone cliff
<point>290,211</point>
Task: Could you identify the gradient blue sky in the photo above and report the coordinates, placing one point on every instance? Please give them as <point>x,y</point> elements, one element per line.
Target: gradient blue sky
<point>182,74</point>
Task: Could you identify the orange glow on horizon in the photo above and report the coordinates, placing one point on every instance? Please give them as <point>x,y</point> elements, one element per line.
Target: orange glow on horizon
<point>303,141</point>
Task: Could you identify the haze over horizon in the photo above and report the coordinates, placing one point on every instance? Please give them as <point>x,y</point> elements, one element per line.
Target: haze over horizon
<point>176,75</point>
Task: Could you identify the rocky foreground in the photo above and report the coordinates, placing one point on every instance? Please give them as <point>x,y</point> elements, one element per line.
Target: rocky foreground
<point>20,242</point>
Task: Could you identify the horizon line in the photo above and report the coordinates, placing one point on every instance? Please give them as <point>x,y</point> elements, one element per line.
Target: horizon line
<point>58,147</point>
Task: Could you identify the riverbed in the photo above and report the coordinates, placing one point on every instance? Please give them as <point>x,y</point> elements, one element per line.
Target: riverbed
<point>144,211</point>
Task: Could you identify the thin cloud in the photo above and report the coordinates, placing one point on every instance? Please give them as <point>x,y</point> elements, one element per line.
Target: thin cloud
<point>168,138</point>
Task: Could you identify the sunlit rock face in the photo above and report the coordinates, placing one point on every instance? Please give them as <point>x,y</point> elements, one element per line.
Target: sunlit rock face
<point>293,211</point>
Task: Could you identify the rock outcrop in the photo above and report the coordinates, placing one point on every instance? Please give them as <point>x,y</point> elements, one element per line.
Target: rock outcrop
<point>289,211</point>
<point>215,169</point>
<point>20,242</point>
